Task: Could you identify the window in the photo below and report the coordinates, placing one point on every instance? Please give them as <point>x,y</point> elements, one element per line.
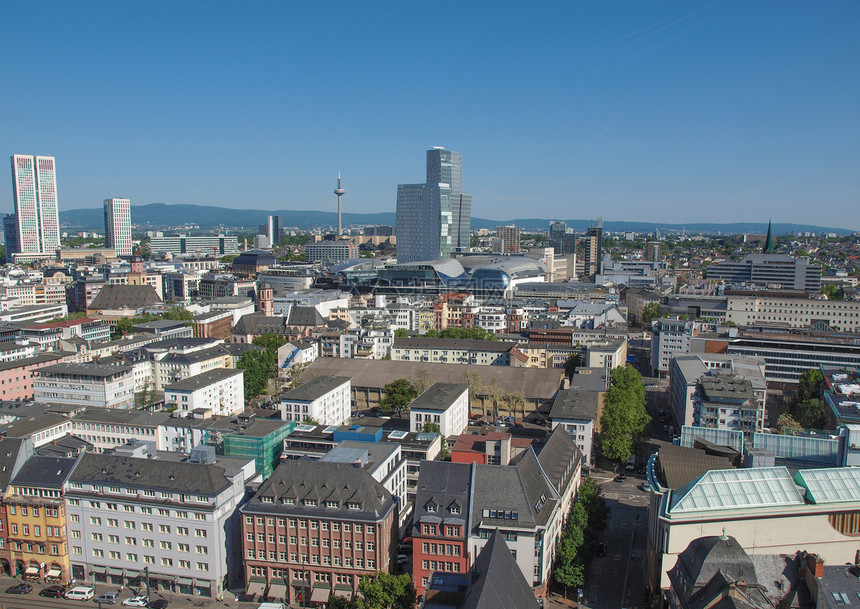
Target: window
<point>165,545</point>
<point>129,524</point>
<point>146,526</point>
<point>150,560</point>
<point>199,533</point>
<point>182,530</point>
<point>131,541</point>
<point>113,538</point>
<point>115,555</point>
<point>96,536</point>
<point>96,521</point>
<point>148,543</point>
<point>166,562</point>
<point>98,553</point>
<point>131,557</point>
<point>184,564</point>
<point>164,528</point>
<point>202,550</point>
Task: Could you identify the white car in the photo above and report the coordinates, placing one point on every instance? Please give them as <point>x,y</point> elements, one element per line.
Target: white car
<point>136,601</point>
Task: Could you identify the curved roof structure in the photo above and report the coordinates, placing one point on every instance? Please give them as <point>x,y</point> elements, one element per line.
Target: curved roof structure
<point>721,489</point>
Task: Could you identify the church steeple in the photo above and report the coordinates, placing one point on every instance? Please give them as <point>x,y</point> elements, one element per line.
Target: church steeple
<point>768,241</point>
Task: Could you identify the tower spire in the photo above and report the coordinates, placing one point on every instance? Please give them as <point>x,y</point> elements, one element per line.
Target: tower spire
<point>768,241</point>
<point>339,192</point>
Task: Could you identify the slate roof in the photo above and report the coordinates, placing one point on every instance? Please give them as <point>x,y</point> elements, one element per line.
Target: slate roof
<point>439,396</point>
<point>321,482</point>
<point>574,404</point>
<point>257,323</point>
<point>86,369</point>
<point>152,474</point>
<point>519,489</point>
<point>125,297</point>
<point>9,449</point>
<point>29,361</point>
<point>314,389</point>
<point>443,484</point>
<point>204,379</point>
<point>305,316</point>
<point>498,582</point>
<point>559,458</point>
<point>44,472</point>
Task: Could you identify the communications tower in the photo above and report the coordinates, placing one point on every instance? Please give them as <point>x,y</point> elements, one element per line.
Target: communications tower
<point>339,192</point>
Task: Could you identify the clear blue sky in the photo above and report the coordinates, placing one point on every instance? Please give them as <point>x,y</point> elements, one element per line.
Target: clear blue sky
<point>724,111</point>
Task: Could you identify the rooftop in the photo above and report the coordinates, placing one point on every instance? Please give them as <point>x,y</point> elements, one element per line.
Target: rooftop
<point>737,488</point>
<point>204,379</point>
<point>440,396</point>
<point>314,389</point>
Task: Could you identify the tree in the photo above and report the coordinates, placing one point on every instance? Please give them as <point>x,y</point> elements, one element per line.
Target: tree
<point>624,419</point>
<point>431,333</point>
<point>385,591</point>
<point>310,421</point>
<point>340,602</point>
<point>421,381</point>
<point>573,361</point>
<point>516,402</point>
<point>579,537</point>
<point>649,313</point>
<point>831,291</point>
<point>807,407</point>
<point>398,395</point>
<point>495,393</point>
<point>256,367</point>
<point>401,333</point>
<point>431,427</point>
<point>178,313</point>
<point>787,426</point>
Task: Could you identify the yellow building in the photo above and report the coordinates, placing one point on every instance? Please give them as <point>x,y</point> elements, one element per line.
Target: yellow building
<point>37,545</point>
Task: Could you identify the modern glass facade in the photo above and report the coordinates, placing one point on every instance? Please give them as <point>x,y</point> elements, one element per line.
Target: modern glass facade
<point>433,219</point>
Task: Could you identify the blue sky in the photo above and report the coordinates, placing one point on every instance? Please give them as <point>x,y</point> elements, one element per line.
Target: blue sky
<point>663,111</point>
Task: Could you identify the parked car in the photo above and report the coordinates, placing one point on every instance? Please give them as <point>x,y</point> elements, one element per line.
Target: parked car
<point>620,478</point>
<point>646,487</point>
<point>136,601</point>
<point>53,592</point>
<point>19,589</point>
<point>108,598</point>
<point>80,593</point>
<point>159,603</point>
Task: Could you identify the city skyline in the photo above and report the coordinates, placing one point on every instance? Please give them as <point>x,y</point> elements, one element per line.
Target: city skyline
<point>633,112</point>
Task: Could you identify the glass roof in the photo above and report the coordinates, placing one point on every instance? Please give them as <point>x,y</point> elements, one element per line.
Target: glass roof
<point>726,489</point>
<point>830,485</point>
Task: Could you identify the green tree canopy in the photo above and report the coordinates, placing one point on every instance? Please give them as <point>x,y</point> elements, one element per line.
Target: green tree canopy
<point>398,395</point>
<point>787,426</point>
<point>386,591</point>
<point>807,407</point>
<point>649,313</point>
<point>401,333</point>
<point>624,419</point>
<point>178,313</point>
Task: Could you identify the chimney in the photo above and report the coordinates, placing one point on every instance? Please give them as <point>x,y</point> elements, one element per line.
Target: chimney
<point>815,564</point>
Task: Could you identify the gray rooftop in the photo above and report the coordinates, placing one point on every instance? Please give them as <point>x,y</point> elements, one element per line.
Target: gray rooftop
<point>44,472</point>
<point>575,404</point>
<point>440,396</point>
<point>314,389</point>
<point>204,379</point>
<point>94,370</point>
<point>464,344</point>
<point>155,474</point>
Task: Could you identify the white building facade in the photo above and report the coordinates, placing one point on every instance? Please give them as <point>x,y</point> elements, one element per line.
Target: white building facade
<point>118,226</point>
<point>220,391</point>
<point>325,399</point>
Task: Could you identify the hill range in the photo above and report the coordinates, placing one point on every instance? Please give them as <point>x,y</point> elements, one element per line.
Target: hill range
<point>163,216</point>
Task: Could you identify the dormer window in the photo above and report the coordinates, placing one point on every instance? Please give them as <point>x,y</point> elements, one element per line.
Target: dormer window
<point>455,509</point>
<point>353,506</point>
<point>431,507</point>
<point>266,500</point>
<point>288,501</point>
<point>310,502</point>
<point>331,504</point>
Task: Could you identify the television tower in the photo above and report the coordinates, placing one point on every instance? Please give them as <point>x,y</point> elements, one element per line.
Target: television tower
<point>339,192</point>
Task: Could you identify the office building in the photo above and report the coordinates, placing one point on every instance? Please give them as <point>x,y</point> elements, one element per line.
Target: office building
<point>561,239</point>
<point>433,218</point>
<point>769,270</point>
<point>118,226</point>
<point>216,245</point>
<point>594,250</point>
<point>35,224</point>
<point>330,251</point>
<point>273,229</point>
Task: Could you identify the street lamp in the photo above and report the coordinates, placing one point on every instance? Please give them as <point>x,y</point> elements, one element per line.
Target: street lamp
<point>146,575</point>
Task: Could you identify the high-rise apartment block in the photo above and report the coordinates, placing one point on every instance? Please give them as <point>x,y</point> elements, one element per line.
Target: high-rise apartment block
<point>433,218</point>
<point>594,250</point>
<point>34,228</point>
<point>507,240</point>
<point>118,226</point>
<point>561,239</point>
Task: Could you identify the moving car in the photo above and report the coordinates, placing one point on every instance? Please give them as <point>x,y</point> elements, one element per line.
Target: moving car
<point>136,601</point>
<point>646,487</point>
<point>53,592</point>
<point>20,589</point>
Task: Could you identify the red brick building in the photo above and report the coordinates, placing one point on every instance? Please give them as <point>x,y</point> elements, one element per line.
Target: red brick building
<point>439,532</point>
<point>313,529</point>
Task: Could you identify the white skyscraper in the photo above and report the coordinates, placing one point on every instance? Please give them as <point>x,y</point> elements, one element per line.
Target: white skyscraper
<point>36,222</point>
<point>118,226</point>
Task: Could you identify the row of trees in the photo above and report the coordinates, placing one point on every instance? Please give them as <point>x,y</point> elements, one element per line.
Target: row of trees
<point>470,333</point>
<point>581,535</point>
<point>177,313</point>
<point>625,422</point>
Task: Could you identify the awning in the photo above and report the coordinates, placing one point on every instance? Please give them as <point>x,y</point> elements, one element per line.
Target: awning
<point>54,572</point>
<point>185,581</point>
<point>278,589</point>
<point>256,586</point>
<point>32,571</point>
<point>320,595</point>
<point>99,570</point>
<point>114,571</point>
<point>132,573</point>
<point>343,590</point>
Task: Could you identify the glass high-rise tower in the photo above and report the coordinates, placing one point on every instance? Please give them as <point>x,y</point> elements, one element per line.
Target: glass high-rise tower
<point>433,218</point>
<point>36,221</point>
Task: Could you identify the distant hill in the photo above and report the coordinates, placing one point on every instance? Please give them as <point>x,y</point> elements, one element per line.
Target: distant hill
<point>161,215</point>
